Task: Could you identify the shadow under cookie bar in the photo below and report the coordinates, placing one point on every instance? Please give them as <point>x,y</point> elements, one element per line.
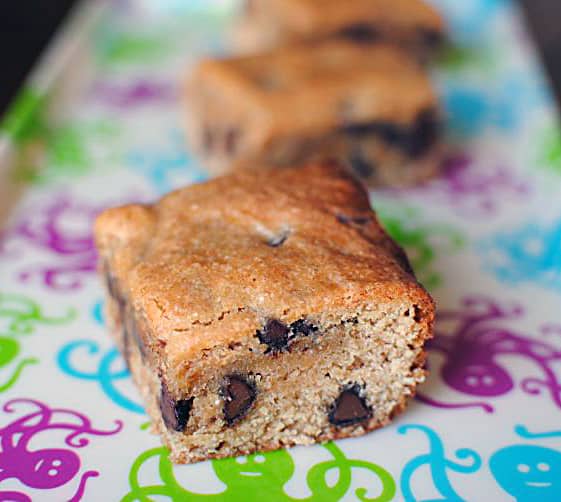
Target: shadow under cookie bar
<point>235,353</point>
<point>411,24</point>
<point>374,110</point>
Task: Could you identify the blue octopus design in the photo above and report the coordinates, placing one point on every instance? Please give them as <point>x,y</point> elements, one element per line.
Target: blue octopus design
<point>528,254</point>
<point>436,460</point>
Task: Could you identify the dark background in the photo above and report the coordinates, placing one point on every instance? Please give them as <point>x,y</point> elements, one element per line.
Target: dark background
<point>27,25</point>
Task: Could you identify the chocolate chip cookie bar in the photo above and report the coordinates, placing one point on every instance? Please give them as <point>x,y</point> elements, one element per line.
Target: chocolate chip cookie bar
<point>262,310</point>
<point>412,24</point>
<point>373,109</point>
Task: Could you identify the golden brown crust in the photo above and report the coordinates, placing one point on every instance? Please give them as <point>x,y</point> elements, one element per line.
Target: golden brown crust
<point>201,254</point>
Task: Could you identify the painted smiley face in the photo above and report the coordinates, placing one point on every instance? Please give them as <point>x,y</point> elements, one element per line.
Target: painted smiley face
<point>46,469</point>
<point>528,473</point>
<point>274,468</point>
<point>478,379</point>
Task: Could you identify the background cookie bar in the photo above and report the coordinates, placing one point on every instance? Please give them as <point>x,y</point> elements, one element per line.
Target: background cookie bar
<point>262,310</point>
<point>409,23</point>
<point>374,109</point>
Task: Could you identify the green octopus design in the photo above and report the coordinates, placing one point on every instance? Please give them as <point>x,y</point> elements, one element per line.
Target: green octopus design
<point>259,477</point>
<point>550,157</point>
<point>19,315</point>
<point>422,242</point>
<point>61,150</point>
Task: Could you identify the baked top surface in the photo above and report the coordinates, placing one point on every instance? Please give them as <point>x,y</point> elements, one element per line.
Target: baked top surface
<point>325,15</point>
<point>328,84</point>
<point>213,261</point>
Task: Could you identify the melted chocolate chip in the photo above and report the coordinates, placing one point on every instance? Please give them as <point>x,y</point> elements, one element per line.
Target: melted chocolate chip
<point>361,33</point>
<point>349,408</point>
<point>175,413</point>
<point>302,327</point>
<point>279,239</point>
<point>423,134</point>
<point>360,166</point>
<point>239,395</point>
<point>403,260</point>
<point>349,220</point>
<point>414,141</point>
<point>431,39</point>
<point>275,335</point>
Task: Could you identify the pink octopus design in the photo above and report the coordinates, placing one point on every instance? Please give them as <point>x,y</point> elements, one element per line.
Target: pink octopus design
<point>63,229</point>
<point>471,350</point>
<point>45,468</point>
<point>468,190</point>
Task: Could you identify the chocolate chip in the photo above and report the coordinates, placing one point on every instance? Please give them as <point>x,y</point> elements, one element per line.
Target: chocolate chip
<point>361,33</point>
<point>360,166</point>
<point>302,327</point>
<point>279,239</point>
<point>349,408</point>
<point>275,335</point>
<point>349,220</point>
<point>413,141</point>
<point>231,140</point>
<point>239,395</point>
<point>133,333</point>
<point>403,260</point>
<point>423,134</point>
<point>418,315</point>
<point>431,39</point>
<point>175,413</point>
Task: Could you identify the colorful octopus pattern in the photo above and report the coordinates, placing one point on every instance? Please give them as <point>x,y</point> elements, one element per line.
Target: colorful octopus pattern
<point>529,472</point>
<point>62,229</point>
<point>473,337</point>
<point>423,242</point>
<point>471,187</point>
<point>166,166</point>
<point>435,459</point>
<point>45,468</point>
<point>530,254</point>
<point>132,95</point>
<point>19,317</point>
<point>259,477</point>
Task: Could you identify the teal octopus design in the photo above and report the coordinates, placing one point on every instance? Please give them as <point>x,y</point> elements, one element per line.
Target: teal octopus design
<point>438,464</point>
<point>260,477</point>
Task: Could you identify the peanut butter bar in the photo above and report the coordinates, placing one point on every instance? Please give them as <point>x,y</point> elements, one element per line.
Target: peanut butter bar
<point>412,24</point>
<point>262,310</point>
<point>373,109</point>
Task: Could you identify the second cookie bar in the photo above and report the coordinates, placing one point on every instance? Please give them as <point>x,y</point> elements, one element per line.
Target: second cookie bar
<point>372,108</point>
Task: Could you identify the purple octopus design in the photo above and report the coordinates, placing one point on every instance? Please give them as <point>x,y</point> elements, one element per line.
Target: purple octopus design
<point>468,190</point>
<point>63,229</point>
<point>45,468</point>
<point>472,347</point>
<point>131,95</point>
